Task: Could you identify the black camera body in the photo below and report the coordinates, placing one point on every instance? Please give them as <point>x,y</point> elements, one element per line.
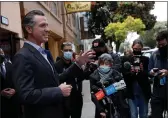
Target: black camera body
<point>136,62</point>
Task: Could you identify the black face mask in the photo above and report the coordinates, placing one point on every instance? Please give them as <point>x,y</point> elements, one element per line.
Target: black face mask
<point>2,58</point>
<point>137,52</point>
<point>163,51</point>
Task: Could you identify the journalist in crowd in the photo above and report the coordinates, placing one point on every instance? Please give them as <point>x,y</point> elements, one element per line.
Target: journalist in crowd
<point>135,73</point>
<point>158,68</point>
<point>104,76</point>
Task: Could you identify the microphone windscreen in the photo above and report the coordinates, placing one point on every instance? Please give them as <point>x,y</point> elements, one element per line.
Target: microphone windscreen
<point>95,88</point>
<point>127,65</point>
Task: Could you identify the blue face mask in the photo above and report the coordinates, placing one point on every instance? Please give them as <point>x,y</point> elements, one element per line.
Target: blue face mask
<point>68,55</point>
<point>104,69</point>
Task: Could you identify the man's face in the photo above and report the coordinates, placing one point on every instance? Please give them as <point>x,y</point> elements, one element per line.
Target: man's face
<point>67,48</point>
<point>161,43</point>
<point>40,29</point>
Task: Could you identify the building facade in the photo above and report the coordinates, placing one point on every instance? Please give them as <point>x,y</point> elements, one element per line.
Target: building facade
<point>62,26</point>
<point>10,27</point>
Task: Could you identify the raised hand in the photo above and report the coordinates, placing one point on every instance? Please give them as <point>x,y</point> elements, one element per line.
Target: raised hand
<point>85,57</point>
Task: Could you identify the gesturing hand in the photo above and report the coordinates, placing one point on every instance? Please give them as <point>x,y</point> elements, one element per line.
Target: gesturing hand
<point>85,57</point>
<point>66,89</point>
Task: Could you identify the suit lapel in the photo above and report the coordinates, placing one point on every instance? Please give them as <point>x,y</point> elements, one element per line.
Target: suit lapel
<point>50,59</point>
<point>37,55</point>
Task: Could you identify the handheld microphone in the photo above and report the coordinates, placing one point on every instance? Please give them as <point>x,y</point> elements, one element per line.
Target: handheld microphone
<point>127,65</point>
<point>99,94</point>
<point>105,83</point>
<point>99,84</point>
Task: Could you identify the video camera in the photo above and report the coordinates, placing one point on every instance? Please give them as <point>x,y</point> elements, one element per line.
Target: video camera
<point>136,62</point>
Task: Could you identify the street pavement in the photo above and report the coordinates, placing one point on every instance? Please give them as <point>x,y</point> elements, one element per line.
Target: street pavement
<point>88,106</point>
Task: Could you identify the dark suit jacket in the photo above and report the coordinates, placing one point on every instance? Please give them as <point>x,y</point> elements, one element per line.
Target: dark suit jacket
<point>9,106</point>
<point>36,84</point>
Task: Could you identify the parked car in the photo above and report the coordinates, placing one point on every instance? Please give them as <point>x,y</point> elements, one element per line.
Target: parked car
<point>148,53</point>
<point>146,48</point>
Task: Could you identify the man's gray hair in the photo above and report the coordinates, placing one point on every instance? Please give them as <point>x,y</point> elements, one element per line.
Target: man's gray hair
<point>106,57</point>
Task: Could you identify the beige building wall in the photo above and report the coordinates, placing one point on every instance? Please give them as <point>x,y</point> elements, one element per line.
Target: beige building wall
<point>70,28</point>
<point>11,10</point>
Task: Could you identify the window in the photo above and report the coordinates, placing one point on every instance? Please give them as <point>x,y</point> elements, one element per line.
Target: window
<point>59,9</point>
<point>54,8</point>
<point>74,20</point>
<point>69,19</point>
<point>46,3</point>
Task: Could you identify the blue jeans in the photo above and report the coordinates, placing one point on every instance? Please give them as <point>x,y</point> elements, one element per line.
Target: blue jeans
<point>140,102</point>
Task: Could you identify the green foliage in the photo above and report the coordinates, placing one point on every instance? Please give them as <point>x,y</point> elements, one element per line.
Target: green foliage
<point>112,11</point>
<point>149,36</point>
<point>119,30</point>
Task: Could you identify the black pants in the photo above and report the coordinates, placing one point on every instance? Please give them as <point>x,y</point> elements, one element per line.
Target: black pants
<point>75,110</point>
<point>158,106</point>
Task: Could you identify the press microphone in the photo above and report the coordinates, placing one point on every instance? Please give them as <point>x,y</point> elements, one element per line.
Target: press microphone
<point>117,78</point>
<point>99,84</point>
<point>95,88</point>
<point>105,83</point>
<point>127,65</point>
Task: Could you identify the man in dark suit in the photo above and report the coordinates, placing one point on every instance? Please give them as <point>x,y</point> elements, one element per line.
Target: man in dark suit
<point>9,103</point>
<point>34,75</point>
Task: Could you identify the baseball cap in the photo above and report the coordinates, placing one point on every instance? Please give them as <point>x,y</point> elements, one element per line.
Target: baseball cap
<point>97,43</point>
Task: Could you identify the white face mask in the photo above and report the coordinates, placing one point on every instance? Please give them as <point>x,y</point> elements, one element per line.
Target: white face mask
<point>68,55</point>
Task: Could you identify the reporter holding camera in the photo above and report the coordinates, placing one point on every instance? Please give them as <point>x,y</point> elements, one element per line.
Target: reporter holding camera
<point>158,68</point>
<point>104,74</point>
<point>135,73</point>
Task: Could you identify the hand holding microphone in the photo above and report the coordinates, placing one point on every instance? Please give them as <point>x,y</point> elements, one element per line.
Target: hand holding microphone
<point>66,89</point>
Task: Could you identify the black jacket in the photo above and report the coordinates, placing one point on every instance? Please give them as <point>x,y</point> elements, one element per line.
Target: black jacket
<point>9,106</point>
<point>141,77</point>
<point>74,78</point>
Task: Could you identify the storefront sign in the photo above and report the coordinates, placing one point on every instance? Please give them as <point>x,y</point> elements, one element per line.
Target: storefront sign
<point>4,20</point>
<point>72,7</point>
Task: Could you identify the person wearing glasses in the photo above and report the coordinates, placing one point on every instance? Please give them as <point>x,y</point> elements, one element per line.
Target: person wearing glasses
<point>158,68</point>
<point>72,104</point>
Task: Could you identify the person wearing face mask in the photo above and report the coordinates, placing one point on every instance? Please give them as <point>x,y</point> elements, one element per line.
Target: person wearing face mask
<point>158,63</point>
<point>73,104</point>
<point>135,73</point>
<point>105,73</point>
<point>99,46</point>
